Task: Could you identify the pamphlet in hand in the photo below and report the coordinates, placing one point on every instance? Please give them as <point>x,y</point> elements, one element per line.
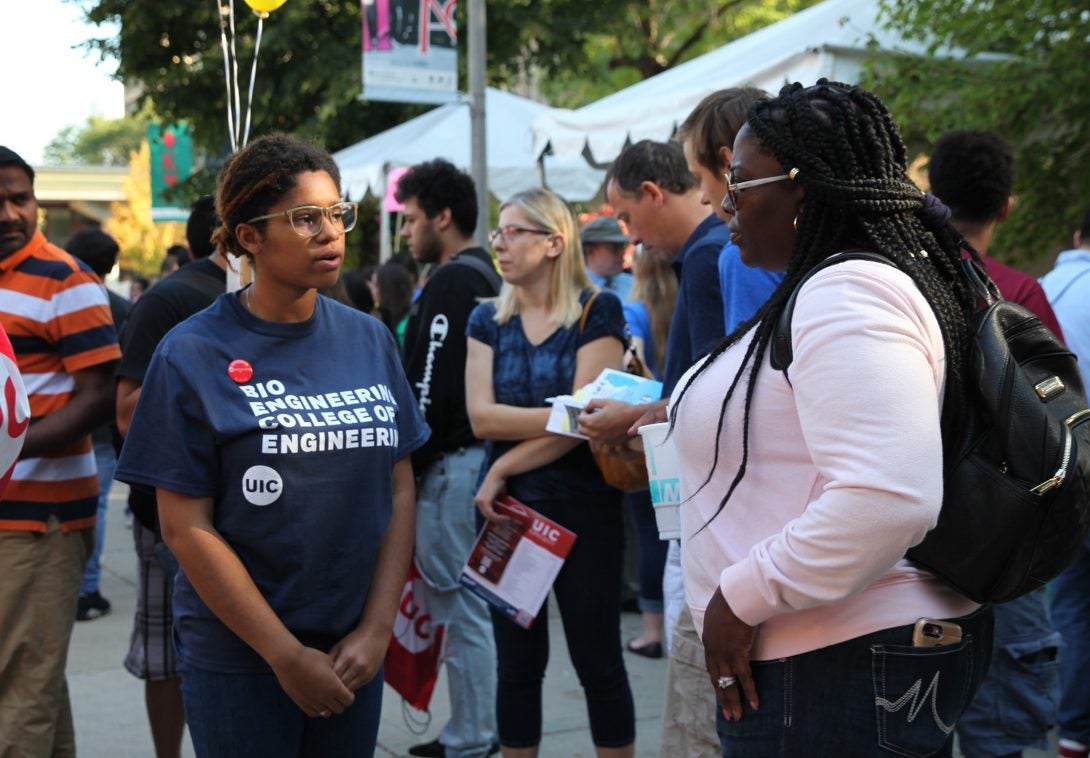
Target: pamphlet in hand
<point>514,564</point>
<point>610,385</point>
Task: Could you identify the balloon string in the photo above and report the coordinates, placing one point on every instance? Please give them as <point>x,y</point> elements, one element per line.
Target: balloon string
<point>253,77</point>
<point>227,75</point>
<point>234,73</point>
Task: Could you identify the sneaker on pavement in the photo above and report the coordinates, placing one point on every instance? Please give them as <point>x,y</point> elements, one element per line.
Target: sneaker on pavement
<point>435,749</point>
<point>91,606</point>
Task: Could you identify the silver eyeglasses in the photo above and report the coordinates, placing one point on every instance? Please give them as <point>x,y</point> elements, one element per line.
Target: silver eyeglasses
<point>733,187</point>
<point>306,220</point>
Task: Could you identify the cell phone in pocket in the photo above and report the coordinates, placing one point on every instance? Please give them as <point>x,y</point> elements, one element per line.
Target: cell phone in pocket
<point>933,632</point>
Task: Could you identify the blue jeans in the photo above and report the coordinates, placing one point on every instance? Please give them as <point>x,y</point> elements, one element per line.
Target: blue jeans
<point>588,594</point>
<point>106,462</point>
<point>445,531</point>
<point>872,695</point>
<point>651,551</point>
<point>245,715</point>
<point>1071,618</point>
<point>1016,705</point>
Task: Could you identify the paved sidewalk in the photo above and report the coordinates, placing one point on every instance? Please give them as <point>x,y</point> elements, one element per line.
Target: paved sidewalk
<point>108,702</point>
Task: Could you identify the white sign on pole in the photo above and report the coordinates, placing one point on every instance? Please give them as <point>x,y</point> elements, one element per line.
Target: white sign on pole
<point>410,52</point>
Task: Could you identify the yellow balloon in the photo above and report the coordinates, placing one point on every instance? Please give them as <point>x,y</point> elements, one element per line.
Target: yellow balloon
<point>265,6</point>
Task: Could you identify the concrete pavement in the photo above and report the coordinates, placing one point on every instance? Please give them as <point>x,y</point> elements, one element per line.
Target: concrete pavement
<point>108,705</point>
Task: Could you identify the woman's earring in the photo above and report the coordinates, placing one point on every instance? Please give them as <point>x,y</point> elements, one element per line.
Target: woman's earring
<point>795,222</point>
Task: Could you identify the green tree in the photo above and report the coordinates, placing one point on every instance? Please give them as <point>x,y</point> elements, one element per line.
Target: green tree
<point>98,142</point>
<point>1032,90</point>
<point>142,241</point>
<point>308,78</point>
<point>585,51</point>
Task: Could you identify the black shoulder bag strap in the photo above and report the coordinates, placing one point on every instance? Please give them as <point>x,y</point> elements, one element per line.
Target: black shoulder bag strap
<point>780,353</point>
<point>489,272</point>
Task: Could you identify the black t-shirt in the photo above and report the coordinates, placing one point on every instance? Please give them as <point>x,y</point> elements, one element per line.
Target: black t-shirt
<point>170,302</point>
<point>188,290</point>
<point>435,352</point>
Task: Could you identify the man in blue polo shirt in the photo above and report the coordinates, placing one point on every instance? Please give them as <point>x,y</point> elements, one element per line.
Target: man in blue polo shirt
<point>658,197</point>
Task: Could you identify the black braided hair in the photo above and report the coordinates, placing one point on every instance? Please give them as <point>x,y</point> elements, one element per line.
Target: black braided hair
<point>851,161</point>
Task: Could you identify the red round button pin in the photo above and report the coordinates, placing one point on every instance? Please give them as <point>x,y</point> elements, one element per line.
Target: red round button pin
<point>241,371</point>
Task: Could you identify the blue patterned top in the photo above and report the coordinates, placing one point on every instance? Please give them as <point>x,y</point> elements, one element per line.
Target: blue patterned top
<point>524,375</point>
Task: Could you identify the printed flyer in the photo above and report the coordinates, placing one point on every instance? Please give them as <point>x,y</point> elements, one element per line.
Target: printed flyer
<point>514,564</point>
<point>611,385</point>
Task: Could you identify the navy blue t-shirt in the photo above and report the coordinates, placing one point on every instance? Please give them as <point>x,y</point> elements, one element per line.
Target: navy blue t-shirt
<point>298,459</point>
<point>698,316</point>
<point>524,375</point>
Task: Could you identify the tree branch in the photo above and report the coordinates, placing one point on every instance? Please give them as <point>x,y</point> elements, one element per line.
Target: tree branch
<point>698,33</point>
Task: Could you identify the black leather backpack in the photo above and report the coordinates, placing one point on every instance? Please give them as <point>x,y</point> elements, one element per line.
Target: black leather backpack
<point>1016,497</point>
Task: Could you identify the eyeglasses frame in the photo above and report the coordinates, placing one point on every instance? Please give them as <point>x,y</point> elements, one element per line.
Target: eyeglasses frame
<point>327,215</point>
<point>500,231</point>
<point>734,187</point>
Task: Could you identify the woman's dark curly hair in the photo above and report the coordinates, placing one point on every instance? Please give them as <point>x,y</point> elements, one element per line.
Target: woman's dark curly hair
<point>851,163</point>
<point>257,176</point>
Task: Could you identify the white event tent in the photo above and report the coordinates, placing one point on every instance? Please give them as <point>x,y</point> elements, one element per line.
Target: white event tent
<point>830,39</point>
<point>444,132</point>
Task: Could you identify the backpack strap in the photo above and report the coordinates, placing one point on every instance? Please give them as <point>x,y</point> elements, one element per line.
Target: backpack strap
<point>495,281</point>
<point>780,353</point>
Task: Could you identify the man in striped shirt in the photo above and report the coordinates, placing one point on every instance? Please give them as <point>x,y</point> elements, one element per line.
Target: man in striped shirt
<point>58,319</point>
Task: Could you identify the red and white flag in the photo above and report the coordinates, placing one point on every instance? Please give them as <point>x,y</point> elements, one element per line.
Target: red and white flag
<point>415,653</point>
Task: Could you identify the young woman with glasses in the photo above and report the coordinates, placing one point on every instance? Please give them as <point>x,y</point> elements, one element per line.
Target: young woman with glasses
<point>286,490</point>
<point>545,336</point>
<point>803,490</point>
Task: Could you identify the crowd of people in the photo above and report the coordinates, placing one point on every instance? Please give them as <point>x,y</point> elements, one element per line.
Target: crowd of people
<point>288,456</point>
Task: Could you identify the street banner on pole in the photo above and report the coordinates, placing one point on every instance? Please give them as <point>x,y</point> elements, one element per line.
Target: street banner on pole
<point>410,52</point>
<point>171,149</point>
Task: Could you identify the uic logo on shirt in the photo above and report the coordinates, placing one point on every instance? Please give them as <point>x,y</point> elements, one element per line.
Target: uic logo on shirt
<point>261,485</point>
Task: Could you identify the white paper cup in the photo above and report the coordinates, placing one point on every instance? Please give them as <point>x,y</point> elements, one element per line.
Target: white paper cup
<point>664,478</point>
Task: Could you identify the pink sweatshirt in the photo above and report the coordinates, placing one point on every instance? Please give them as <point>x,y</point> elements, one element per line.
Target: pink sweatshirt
<point>844,472</point>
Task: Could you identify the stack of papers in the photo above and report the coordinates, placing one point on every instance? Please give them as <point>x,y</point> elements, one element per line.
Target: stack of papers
<point>611,385</point>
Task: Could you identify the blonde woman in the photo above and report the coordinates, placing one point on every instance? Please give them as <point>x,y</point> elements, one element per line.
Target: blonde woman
<point>530,343</point>
<point>650,307</point>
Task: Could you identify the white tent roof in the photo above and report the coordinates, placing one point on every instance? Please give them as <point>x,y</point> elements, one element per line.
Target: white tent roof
<point>444,132</point>
<point>829,39</point>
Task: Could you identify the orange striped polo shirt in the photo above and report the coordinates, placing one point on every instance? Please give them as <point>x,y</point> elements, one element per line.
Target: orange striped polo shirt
<point>57,316</point>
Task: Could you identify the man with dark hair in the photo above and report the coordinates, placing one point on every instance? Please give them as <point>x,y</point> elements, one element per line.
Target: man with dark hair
<point>655,194</point>
<point>99,251</point>
<point>57,316</point>
<point>972,172</point>
<point>151,654</point>
<point>1067,286</point>
<point>440,218</point>
<point>653,191</point>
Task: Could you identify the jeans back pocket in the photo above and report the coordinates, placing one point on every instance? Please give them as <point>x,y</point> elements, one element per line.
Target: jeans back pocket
<point>919,693</point>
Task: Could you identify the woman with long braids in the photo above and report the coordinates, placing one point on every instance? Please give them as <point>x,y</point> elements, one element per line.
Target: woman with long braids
<point>286,489</point>
<point>808,486</point>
